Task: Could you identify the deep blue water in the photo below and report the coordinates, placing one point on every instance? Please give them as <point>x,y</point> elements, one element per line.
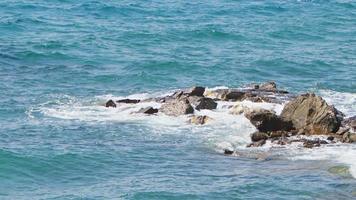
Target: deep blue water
<point>72,52</point>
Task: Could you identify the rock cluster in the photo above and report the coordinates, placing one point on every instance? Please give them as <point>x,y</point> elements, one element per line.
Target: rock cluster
<point>306,114</point>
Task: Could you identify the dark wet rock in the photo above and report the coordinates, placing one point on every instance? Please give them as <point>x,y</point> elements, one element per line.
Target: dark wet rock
<point>110,103</point>
<point>313,114</point>
<point>314,143</point>
<point>148,110</point>
<point>234,95</point>
<point>131,101</point>
<point>257,136</point>
<point>177,107</point>
<point>196,91</point>
<point>257,144</point>
<point>206,103</point>
<point>228,151</point>
<point>199,119</point>
<point>265,121</point>
<point>330,138</point>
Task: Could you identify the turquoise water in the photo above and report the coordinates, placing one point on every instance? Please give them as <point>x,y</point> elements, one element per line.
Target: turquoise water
<point>59,60</point>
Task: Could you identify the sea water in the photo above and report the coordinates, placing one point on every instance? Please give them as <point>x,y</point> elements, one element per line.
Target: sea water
<point>60,61</point>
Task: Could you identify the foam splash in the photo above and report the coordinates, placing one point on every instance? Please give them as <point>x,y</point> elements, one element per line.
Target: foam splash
<point>226,131</point>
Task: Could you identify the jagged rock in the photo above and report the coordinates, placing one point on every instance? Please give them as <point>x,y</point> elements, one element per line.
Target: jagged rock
<point>194,100</point>
<point>110,103</point>
<point>257,136</point>
<point>200,119</point>
<point>177,107</point>
<point>257,144</point>
<point>206,103</point>
<point>178,94</point>
<point>265,121</point>
<point>133,101</point>
<point>196,91</point>
<point>313,114</point>
<point>148,110</point>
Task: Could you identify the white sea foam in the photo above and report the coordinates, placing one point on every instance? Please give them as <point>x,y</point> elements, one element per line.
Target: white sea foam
<point>225,131</point>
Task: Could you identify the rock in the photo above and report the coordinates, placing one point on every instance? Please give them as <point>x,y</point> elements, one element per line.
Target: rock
<point>234,95</point>
<point>314,143</point>
<point>194,100</point>
<point>200,119</point>
<point>265,121</point>
<point>349,137</point>
<point>257,136</point>
<point>269,86</point>
<point>110,103</point>
<point>257,144</point>
<point>206,103</point>
<point>330,138</point>
<point>342,130</point>
<point>178,94</point>
<point>177,107</point>
<point>196,91</point>
<point>148,110</point>
<point>228,151</point>
<point>133,101</point>
<point>350,123</point>
<point>313,114</point>
<point>277,134</point>
<point>216,94</point>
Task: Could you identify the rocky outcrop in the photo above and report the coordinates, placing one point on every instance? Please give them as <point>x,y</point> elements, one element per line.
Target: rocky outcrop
<point>312,114</point>
<point>133,101</point>
<point>199,120</point>
<point>110,103</point>
<point>206,103</point>
<point>177,107</point>
<point>266,121</point>
<point>149,110</point>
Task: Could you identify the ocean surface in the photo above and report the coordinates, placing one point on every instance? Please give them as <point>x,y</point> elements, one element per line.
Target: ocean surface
<point>60,60</point>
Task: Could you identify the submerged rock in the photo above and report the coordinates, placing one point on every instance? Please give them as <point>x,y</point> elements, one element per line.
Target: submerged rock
<point>342,171</point>
<point>133,101</point>
<point>148,110</point>
<point>313,114</point>
<point>177,107</point>
<point>200,119</point>
<point>265,121</point>
<point>110,103</point>
<point>206,103</point>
